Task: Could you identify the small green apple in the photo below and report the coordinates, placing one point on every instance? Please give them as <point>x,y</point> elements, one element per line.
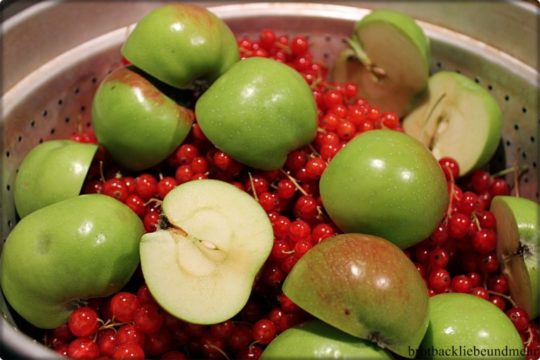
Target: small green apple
<point>181,44</point>
<point>52,171</point>
<point>464,326</point>
<point>457,118</point>
<point>518,248</point>
<point>365,286</point>
<point>258,112</point>
<point>214,238</point>
<point>385,183</point>
<point>388,57</point>
<point>317,340</point>
<point>135,121</point>
<point>82,247</point>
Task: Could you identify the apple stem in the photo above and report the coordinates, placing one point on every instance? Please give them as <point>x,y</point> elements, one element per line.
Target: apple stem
<point>101,174</point>
<point>252,186</point>
<point>359,54</point>
<point>440,120</point>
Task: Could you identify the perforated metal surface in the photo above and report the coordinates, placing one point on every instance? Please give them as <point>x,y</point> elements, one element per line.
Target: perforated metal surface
<point>56,99</point>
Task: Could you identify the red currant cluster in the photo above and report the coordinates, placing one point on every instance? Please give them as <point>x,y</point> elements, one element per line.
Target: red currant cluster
<point>459,256</point>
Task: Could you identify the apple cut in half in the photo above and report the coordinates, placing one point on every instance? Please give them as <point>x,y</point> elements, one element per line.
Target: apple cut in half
<point>518,248</point>
<point>457,118</point>
<point>388,57</point>
<point>214,238</point>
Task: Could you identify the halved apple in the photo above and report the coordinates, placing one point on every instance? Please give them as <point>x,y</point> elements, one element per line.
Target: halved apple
<point>388,57</point>
<point>518,248</point>
<point>214,238</point>
<point>457,118</point>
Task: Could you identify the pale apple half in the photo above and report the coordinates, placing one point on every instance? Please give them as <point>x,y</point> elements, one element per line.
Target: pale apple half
<point>518,248</point>
<point>457,118</point>
<point>388,57</point>
<point>201,265</point>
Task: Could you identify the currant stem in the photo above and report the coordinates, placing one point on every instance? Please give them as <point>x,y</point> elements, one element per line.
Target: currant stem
<point>508,298</point>
<point>252,186</point>
<point>514,169</point>
<point>295,183</point>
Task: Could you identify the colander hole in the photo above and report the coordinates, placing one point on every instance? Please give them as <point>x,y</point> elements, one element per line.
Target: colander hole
<point>52,131</point>
<point>458,71</point>
<point>524,110</point>
<point>326,56</point>
<point>8,154</point>
<point>524,155</point>
<point>88,124</point>
<point>45,113</point>
<point>508,143</point>
<point>67,120</point>
<point>537,195</point>
<point>94,80</point>
<point>327,38</point>
<point>534,164</point>
<point>533,139</point>
<point>9,224</point>
<point>8,187</point>
<point>477,80</point>
<point>40,141</point>
<point>526,180</point>
<point>516,127</point>
<point>77,90</point>
<point>60,102</point>
<point>506,98</point>
<point>32,123</point>
<point>83,108</point>
<point>490,87</point>
<point>438,65</point>
<point>19,138</point>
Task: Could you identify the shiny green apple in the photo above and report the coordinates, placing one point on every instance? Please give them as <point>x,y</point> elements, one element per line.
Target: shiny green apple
<point>464,326</point>
<point>52,171</point>
<point>518,248</point>
<point>258,112</point>
<point>387,184</point>
<point>79,248</point>
<point>317,340</point>
<point>365,286</point>
<point>136,121</point>
<point>182,44</point>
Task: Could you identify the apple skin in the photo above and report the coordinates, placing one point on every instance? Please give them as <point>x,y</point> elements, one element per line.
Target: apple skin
<point>79,248</point>
<point>473,120</point>
<point>464,321</point>
<point>258,112</point>
<point>518,227</point>
<point>365,286</point>
<point>52,171</point>
<point>317,340</point>
<point>385,183</point>
<point>180,44</point>
<point>136,122</point>
<point>404,58</point>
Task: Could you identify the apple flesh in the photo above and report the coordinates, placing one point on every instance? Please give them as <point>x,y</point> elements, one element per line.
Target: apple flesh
<point>52,171</point>
<point>182,45</point>
<point>258,112</point>
<point>460,324</point>
<point>388,57</point>
<point>365,286</point>
<point>83,247</point>
<point>315,340</point>
<point>200,266</point>
<point>518,248</point>
<point>457,118</point>
<point>135,121</point>
<point>385,183</point>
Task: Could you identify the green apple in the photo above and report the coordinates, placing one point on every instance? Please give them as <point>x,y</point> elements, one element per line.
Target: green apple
<point>518,248</point>
<point>258,112</point>
<point>317,340</point>
<point>214,238</point>
<point>52,171</point>
<point>182,44</point>
<point>365,286</point>
<point>82,247</point>
<point>464,326</point>
<point>385,183</point>
<point>137,122</point>
<point>457,118</point>
<point>388,57</point>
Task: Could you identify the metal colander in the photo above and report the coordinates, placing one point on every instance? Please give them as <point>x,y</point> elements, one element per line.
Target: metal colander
<point>490,43</point>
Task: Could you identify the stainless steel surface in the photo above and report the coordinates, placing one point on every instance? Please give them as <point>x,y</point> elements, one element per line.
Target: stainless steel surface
<point>50,95</point>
